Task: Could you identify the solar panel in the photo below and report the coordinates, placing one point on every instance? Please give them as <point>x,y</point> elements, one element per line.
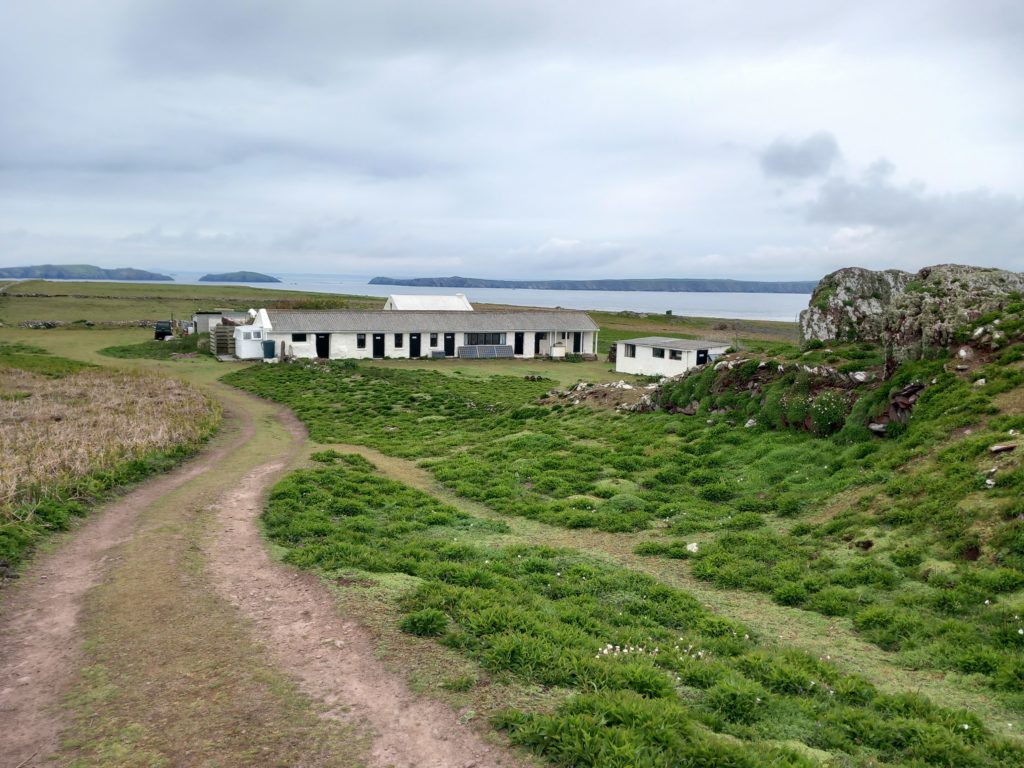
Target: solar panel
<point>486,351</point>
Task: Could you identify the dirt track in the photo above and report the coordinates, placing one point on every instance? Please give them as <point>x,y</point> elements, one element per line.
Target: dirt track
<point>93,588</point>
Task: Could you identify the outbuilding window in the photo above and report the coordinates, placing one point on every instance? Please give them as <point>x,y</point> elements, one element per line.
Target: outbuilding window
<point>360,341</point>
<point>630,350</point>
<point>675,354</point>
<point>246,335</point>
<point>433,340</point>
<point>658,352</point>
<point>399,340</point>
<point>298,337</point>
<point>473,339</point>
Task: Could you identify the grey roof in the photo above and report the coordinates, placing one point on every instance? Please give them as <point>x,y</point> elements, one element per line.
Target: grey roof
<point>666,343</point>
<point>411,321</point>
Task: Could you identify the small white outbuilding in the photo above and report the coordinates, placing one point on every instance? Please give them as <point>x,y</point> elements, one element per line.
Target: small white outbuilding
<point>422,302</point>
<point>664,356</point>
<point>249,338</point>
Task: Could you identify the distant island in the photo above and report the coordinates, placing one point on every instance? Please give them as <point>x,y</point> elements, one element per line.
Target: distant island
<point>239,277</point>
<point>667,284</point>
<point>78,272</point>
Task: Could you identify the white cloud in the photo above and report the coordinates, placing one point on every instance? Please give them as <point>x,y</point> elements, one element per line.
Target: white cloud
<point>571,139</point>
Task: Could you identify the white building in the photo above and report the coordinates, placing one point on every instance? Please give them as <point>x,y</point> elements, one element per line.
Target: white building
<point>423,302</point>
<point>340,334</point>
<point>249,338</point>
<point>662,356</point>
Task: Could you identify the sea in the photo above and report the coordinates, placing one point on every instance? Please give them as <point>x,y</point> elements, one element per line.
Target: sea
<point>753,306</point>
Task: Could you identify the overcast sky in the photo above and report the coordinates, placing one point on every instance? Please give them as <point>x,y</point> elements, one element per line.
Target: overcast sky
<point>525,138</point>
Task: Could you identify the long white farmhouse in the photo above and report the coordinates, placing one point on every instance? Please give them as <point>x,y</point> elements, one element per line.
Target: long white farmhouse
<point>664,356</point>
<point>339,334</point>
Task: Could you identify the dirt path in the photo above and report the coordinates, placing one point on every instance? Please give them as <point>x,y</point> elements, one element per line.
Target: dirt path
<point>162,632</point>
<point>334,658</point>
<point>39,616</point>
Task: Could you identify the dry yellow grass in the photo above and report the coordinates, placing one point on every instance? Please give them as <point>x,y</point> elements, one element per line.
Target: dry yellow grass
<point>55,430</point>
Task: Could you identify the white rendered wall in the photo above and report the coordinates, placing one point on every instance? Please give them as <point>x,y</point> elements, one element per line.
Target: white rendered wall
<point>646,364</point>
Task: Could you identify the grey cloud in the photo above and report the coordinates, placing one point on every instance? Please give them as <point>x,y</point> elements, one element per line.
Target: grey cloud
<point>976,226</point>
<point>332,134</point>
<point>813,156</point>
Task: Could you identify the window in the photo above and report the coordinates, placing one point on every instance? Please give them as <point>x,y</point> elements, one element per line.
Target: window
<point>399,340</point>
<point>246,335</point>
<point>360,341</point>
<point>298,337</point>
<point>473,339</point>
<point>658,352</point>
<point>630,350</point>
<point>433,339</point>
<point>675,354</point>
<point>257,334</point>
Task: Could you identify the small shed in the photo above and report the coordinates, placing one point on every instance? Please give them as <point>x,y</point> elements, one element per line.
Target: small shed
<point>249,338</point>
<point>664,356</point>
<point>421,302</point>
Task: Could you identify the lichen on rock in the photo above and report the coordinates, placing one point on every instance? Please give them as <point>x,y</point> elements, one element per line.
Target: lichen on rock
<point>909,313</point>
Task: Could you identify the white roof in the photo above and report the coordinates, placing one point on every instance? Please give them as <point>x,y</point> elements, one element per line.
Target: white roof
<point>681,344</point>
<point>455,303</point>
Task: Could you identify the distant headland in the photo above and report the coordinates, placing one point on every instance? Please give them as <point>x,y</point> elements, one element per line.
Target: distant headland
<point>239,277</point>
<point>668,284</point>
<point>78,272</point>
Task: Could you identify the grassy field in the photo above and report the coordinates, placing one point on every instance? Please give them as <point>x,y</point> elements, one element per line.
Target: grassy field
<point>543,534</point>
<point>80,303</point>
<point>900,540</point>
<point>72,432</point>
<point>648,676</point>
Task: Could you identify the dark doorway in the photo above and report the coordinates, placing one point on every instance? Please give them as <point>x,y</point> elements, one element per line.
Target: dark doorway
<point>702,356</point>
<point>577,342</point>
<point>378,345</point>
<point>323,345</point>
<point>518,347</point>
<point>537,339</point>
<point>414,345</point>
<point>449,345</point>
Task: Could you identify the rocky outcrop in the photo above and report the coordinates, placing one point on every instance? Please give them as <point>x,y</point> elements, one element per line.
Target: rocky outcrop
<point>909,313</point>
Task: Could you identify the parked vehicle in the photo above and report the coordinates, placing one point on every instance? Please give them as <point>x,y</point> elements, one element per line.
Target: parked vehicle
<point>162,330</point>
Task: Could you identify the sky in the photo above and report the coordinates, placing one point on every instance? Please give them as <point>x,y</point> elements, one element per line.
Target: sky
<point>526,139</point>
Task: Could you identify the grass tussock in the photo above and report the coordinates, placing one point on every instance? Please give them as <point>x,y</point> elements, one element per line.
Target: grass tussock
<point>654,678</point>
<point>67,441</point>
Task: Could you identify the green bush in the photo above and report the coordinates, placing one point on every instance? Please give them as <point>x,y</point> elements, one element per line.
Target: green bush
<point>425,623</point>
<point>736,699</point>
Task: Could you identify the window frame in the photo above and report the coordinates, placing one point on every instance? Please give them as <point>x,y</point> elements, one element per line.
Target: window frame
<point>299,337</point>
<point>433,341</point>
<point>629,350</point>
<point>658,352</point>
<point>485,339</point>
<point>399,340</point>
<point>360,341</point>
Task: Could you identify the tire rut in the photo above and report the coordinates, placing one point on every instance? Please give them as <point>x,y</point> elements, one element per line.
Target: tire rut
<point>39,616</point>
<point>334,658</point>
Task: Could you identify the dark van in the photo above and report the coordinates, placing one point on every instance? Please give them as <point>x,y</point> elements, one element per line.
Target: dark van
<point>162,330</point>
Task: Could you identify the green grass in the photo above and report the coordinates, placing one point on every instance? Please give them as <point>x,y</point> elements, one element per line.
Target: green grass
<point>748,494</point>
<point>101,303</point>
<point>25,525</point>
<point>161,350</point>
<point>656,679</point>
<point>34,359</point>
